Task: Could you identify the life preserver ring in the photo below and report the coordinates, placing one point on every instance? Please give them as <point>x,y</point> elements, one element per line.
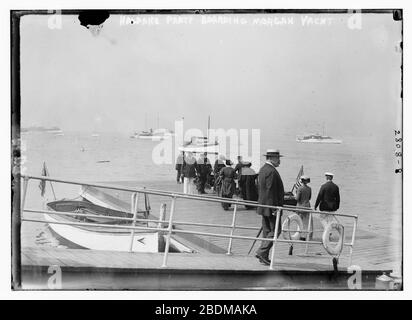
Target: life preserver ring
<point>334,249</point>
<point>286,226</point>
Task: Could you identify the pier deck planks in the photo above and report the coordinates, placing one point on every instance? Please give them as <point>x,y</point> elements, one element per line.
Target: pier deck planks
<point>78,258</point>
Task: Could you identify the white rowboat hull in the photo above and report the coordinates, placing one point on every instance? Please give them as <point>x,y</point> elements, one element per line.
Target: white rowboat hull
<point>102,240</point>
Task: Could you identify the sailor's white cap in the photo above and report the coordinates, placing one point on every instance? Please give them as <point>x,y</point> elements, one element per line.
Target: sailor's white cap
<point>329,174</point>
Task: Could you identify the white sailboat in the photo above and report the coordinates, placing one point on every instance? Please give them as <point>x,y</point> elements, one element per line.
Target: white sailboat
<point>154,135</point>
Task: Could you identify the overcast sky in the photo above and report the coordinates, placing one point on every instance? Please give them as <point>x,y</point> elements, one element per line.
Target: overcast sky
<point>289,76</point>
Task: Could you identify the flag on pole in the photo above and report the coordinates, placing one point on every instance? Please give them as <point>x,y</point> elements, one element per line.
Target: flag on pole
<point>42,184</point>
<point>298,183</point>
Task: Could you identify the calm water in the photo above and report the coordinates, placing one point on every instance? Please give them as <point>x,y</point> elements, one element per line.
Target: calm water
<point>363,167</point>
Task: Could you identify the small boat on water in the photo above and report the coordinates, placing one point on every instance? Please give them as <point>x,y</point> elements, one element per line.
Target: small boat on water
<point>200,145</point>
<point>317,138</point>
<point>104,237</point>
<point>154,135</point>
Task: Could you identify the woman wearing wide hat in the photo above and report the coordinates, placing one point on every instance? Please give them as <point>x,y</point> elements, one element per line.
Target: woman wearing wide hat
<point>303,196</point>
<point>228,176</point>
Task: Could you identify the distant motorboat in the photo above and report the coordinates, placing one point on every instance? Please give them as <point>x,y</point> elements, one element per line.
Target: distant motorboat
<point>317,138</point>
<point>53,130</point>
<point>200,145</point>
<point>154,135</point>
<point>95,135</point>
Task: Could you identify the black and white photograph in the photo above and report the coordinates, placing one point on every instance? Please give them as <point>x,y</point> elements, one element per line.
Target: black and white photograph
<point>207,150</point>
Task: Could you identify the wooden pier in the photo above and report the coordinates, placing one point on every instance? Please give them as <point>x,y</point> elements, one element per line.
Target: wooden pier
<point>80,269</point>
<point>211,267</point>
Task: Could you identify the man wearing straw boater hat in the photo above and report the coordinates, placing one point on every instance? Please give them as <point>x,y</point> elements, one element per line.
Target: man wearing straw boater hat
<point>271,192</point>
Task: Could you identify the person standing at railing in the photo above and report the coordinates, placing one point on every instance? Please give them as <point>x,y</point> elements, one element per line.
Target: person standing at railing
<point>303,196</point>
<point>189,172</point>
<point>228,176</point>
<point>328,199</point>
<point>271,192</point>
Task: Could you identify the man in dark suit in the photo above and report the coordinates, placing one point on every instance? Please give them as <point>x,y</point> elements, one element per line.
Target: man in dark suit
<point>238,171</point>
<point>328,198</point>
<point>205,168</point>
<point>271,192</point>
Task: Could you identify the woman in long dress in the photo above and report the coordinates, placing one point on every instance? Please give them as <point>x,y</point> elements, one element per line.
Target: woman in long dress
<point>248,182</point>
<point>219,165</point>
<point>189,172</point>
<point>228,176</point>
<point>303,196</point>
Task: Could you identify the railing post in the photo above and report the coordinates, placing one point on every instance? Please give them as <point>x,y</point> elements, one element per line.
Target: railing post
<point>229,248</point>
<point>308,234</point>
<point>355,225</point>
<point>161,225</point>
<point>23,200</point>
<point>169,232</point>
<point>146,207</point>
<point>275,238</point>
<point>162,215</point>
<point>16,235</point>
<point>134,207</point>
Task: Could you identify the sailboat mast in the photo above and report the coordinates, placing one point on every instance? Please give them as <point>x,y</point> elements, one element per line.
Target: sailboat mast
<point>208,127</point>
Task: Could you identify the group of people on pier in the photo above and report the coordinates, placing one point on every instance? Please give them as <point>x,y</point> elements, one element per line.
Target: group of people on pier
<point>222,178</point>
<point>265,187</point>
<point>271,192</point>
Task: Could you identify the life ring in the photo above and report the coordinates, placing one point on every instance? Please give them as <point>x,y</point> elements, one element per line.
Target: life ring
<point>334,249</point>
<point>286,226</point>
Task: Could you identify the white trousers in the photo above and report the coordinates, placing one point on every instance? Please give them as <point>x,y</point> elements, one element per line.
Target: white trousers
<point>189,186</point>
<point>326,219</point>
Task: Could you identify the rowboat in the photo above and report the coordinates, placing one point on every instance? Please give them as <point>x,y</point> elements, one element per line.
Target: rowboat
<point>91,228</point>
<point>84,207</point>
<point>85,231</point>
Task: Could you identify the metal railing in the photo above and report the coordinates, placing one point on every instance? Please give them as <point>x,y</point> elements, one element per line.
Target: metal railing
<point>168,224</point>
